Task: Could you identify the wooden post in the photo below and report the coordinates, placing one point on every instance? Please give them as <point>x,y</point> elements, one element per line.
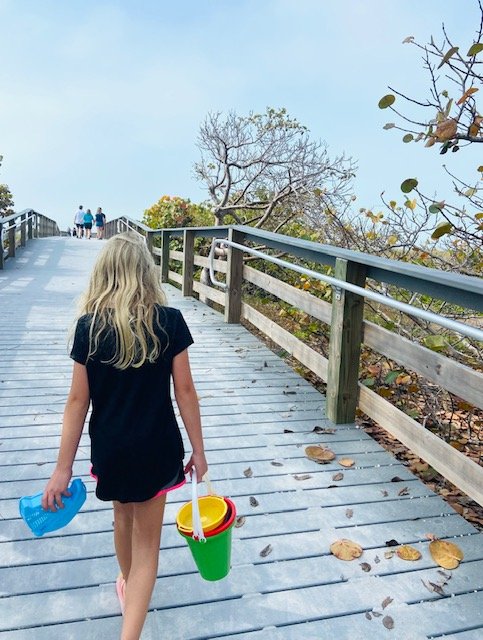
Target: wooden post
<point>2,258</point>
<point>234,278</point>
<point>188,262</point>
<point>30,228</point>
<point>165,237</point>
<point>11,241</point>
<point>23,230</point>
<point>345,344</point>
<point>149,242</point>
<point>36,228</point>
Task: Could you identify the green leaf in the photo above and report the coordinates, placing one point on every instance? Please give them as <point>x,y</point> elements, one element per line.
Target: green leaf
<point>408,137</point>
<point>475,49</point>
<point>389,125</point>
<point>441,230</point>
<point>391,376</point>
<point>435,208</point>
<point>448,55</point>
<point>369,382</point>
<point>408,185</point>
<point>470,192</point>
<point>386,101</point>
<point>435,343</point>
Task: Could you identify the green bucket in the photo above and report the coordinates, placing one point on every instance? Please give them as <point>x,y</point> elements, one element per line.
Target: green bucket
<point>212,557</point>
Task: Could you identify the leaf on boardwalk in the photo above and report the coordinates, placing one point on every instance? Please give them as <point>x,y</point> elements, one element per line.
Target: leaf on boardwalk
<point>254,502</point>
<point>388,622</point>
<point>289,393</point>
<point>392,543</point>
<point>446,554</point>
<point>397,479</point>
<point>346,549</point>
<point>248,473</point>
<point>304,476</point>
<point>377,560</point>
<point>276,464</point>
<point>266,551</point>
<point>368,615</point>
<point>376,614</point>
<point>349,513</point>
<point>431,536</point>
<point>386,602</point>
<point>389,554</point>
<point>365,566</point>
<point>324,430</point>
<point>432,587</point>
<point>338,476</point>
<point>346,462</point>
<point>239,521</point>
<point>384,493</point>
<point>288,430</point>
<point>406,552</point>
<point>403,492</point>
<point>319,454</point>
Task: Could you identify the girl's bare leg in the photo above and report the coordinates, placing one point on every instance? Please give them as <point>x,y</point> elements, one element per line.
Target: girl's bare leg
<point>123,522</point>
<point>146,537</point>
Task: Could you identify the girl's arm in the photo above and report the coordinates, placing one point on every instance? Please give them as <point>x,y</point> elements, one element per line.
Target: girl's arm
<point>74,417</point>
<point>187,400</point>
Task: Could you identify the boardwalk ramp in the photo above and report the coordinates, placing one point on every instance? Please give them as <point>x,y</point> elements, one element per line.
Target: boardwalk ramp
<point>258,416</point>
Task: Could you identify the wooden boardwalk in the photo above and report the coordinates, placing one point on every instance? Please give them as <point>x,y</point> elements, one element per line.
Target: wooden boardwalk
<point>257,414</point>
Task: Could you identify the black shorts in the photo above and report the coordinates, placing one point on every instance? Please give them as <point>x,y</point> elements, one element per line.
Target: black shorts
<point>79,225</point>
<point>87,225</point>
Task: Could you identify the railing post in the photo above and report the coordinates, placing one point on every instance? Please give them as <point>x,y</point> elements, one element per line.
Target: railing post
<point>23,230</point>
<point>149,242</point>
<point>29,227</point>
<point>188,262</point>
<point>345,344</point>
<point>234,278</point>
<point>165,237</point>
<point>36,228</point>
<point>2,258</point>
<point>11,241</point>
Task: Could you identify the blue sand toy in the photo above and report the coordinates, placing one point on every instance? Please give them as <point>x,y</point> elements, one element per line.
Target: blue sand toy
<point>40,521</point>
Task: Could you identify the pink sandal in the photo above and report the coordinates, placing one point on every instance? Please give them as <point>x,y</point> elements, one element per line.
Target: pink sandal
<point>121,591</point>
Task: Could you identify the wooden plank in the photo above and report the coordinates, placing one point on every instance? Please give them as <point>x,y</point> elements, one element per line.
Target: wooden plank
<point>303,300</point>
<point>176,277</point>
<point>164,262</point>
<point>209,292</point>
<point>304,354</point>
<point>345,344</point>
<point>188,264</point>
<point>218,265</point>
<point>176,255</point>
<point>463,381</point>
<point>452,464</point>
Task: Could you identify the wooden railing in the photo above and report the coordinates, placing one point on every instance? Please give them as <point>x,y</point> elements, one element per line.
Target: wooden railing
<point>17,229</point>
<point>348,329</point>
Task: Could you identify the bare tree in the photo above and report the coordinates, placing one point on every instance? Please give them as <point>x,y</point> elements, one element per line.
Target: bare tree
<point>260,169</point>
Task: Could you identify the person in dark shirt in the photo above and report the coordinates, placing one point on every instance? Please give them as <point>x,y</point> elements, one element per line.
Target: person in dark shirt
<point>100,223</point>
<point>127,347</point>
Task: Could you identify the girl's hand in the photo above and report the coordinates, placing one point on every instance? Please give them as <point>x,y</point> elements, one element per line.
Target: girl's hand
<point>198,461</point>
<point>55,489</point>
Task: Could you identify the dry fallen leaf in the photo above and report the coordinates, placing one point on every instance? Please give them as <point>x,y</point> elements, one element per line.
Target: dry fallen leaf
<point>319,454</point>
<point>338,476</point>
<point>446,554</point>
<point>305,476</point>
<point>376,614</point>
<point>397,479</point>
<point>388,622</point>
<point>349,513</point>
<point>386,602</point>
<point>288,430</point>
<point>253,501</point>
<point>240,521</point>
<point>346,549</point>
<point>277,464</point>
<point>324,430</point>
<point>377,560</point>
<point>406,552</point>
<point>389,554</point>
<point>248,473</point>
<point>346,462</point>
<point>392,543</point>
<point>266,551</point>
<point>430,536</point>
<point>368,615</point>
<point>403,492</point>
<point>365,566</point>
<point>384,493</point>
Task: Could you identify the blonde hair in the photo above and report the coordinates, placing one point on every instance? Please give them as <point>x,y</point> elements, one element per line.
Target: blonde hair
<point>122,293</point>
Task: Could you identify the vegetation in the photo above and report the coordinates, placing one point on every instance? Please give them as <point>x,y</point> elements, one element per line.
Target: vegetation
<point>6,199</point>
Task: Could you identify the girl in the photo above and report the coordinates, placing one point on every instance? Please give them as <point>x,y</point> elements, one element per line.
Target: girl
<point>100,223</point>
<point>88,219</point>
<point>127,345</point>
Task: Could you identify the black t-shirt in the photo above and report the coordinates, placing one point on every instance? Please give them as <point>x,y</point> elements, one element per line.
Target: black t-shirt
<point>136,445</point>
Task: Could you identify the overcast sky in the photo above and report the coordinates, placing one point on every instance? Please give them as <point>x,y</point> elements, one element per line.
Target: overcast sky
<point>100,102</point>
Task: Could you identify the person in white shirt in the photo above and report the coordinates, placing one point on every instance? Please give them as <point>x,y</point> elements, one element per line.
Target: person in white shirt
<point>79,221</point>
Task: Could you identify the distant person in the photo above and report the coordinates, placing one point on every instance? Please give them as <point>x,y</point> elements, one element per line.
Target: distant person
<point>88,220</point>
<point>100,223</point>
<point>79,221</point>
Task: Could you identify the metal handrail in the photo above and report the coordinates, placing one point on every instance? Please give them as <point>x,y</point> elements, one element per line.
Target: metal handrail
<point>453,325</point>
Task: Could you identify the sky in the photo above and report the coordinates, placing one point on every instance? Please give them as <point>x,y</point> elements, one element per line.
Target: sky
<point>101,101</point>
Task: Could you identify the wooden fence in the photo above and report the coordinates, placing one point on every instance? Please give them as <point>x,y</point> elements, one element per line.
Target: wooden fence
<point>348,329</point>
<point>17,229</point>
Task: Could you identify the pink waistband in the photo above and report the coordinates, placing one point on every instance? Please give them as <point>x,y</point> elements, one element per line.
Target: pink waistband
<point>160,493</point>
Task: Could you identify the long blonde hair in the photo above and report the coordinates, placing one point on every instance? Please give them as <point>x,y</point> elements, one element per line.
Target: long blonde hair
<point>122,293</point>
